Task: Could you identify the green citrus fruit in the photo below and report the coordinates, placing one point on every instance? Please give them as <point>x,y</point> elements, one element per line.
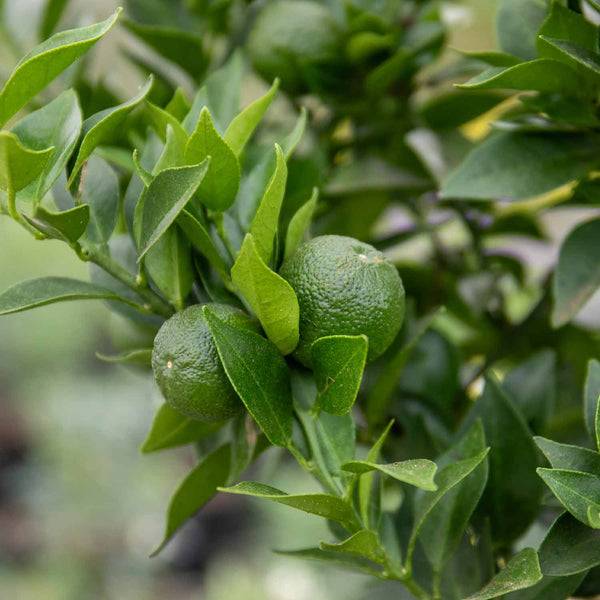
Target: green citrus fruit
<point>290,38</point>
<point>187,367</point>
<point>344,287</point>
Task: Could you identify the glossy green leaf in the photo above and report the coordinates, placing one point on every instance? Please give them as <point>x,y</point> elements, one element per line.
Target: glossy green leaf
<point>519,165</point>
<point>178,105</point>
<point>418,472</point>
<point>339,362</point>
<point>179,46</point>
<point>142,357</point>
<point>551,588</point>
<point>336,437</point>
<point>101,127</point>
<point>51,15</point>
<point>590,401</point>
<point>264,225</point>
<point>442,531</point>
<point>512,461</point>
<point>363,543</point>
<point>517,24</point>
<point>170,429</point>
<point>576,491</point>
<point>323,505</point>
<point>220,185</point>
<point>68,225</point>
<point>493,59</point>
<point>100,190</point>
<point>199,486</point>
<point>142,173</point>
<point>243,125</point>
<point>47,290</point>
<point>271,297</point>
<point>578,55</point>
<point>45,62</point>
<point>258,374</point>
<point>299,224</point>
<point>334,558</point>
<point>55,125</point>
<point>166,197</point>
<point>19,166</point>
<point>541,75</point>
<point>172,155</point>
<point>160,120</point>
<point>201,240</point>
<point>521,571</point>
<point>577,274</point>
<point>571,458</point>
<point>569,547</point>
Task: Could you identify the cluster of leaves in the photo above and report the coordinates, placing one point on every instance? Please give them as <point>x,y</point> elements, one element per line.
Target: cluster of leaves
<point>175,203</point>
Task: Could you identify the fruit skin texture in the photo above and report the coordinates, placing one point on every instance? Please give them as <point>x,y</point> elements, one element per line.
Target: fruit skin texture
<point>344,287</point>
<point>187,367</point>
<point>289,35</point>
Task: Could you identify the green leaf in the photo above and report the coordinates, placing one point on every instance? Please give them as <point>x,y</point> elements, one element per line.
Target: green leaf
<point>521,571</point>
<point>243,125</point>
<point>446,479</point>
<point>339,362</point>
<point>172,154</point>
<point>569,547</point>
<point>258,374</point>
<point>336,437</point>
<point>591,396</point>
<point>201,240</point>
<point>571,458</point>
<point>335,558</point>
<point>170,429</point>
<point>299,224</point>
<point>577,274</point>
<point>142,357</point>
<point>579,56</point>
<point>517,24</point>
<point>520,165</point>
<point>541,75</point>
<point>19,166</point>
<point>576,491</point>
<point>142,173</point>
<point>551,588</point>
<point>47,290</point>
<point>55,125</point>
<point>323,505</point>
<point>100,190</point>
<point>101,127</point>
<point>512,461</point>
<point>199,486</point>
<point>181,47</point>
<point>418,472</point>
<point>493,59</point>
<point>45,62</point>
<point>442,531</point>
<point>67,226</point>
<point>166,197</point>
<point>221,183</point>
<point>53,11</point>
<point>271,297</point>
<point>264,225</point>
<point>363,544</point>
<point>160,120</point>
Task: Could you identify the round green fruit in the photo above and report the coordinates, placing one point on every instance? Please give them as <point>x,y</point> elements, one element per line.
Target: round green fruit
<point>291,38</point>
<point>344,287</point>
<point>187,367</point>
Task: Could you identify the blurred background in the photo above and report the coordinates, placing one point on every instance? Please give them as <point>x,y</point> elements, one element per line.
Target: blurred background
<point>80,507</point>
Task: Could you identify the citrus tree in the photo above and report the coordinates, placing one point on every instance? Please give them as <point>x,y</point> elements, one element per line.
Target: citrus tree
<point>411,391</point>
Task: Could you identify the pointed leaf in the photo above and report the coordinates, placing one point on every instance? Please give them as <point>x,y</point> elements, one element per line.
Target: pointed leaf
<point>323,505</point>
<point>270,296</point>
<point>166,197</point>
<point>571,458</point>
<point>591,396</point>
<point>51,16</point>
<point>576,491</point>
<point>68,225</point>
<point>243,125</point>
<point>335,558</point>
<point>19,166</point>
<point>264,225</point>
<point>171,429</point>
<point>521,571</point>
<point>102,126</point>
<point>336,437</point>
<point>418,472</point>
<point>258,374</point>
<point>569,547</point>
<point>220,186</point>
<point>142,357</point>
<point>100,190</point>
<point>577,274</point>
<point>363,544</point>
<point>199,486</point>
<point>551,588</point>
<point>45,62</point>
<point>47,290</point>
<point>339,362</point>
<point>172,154</point>
<point>55,125</point>
<point>299,224</point>
<point>577,55</point>
<point>160,120</point>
